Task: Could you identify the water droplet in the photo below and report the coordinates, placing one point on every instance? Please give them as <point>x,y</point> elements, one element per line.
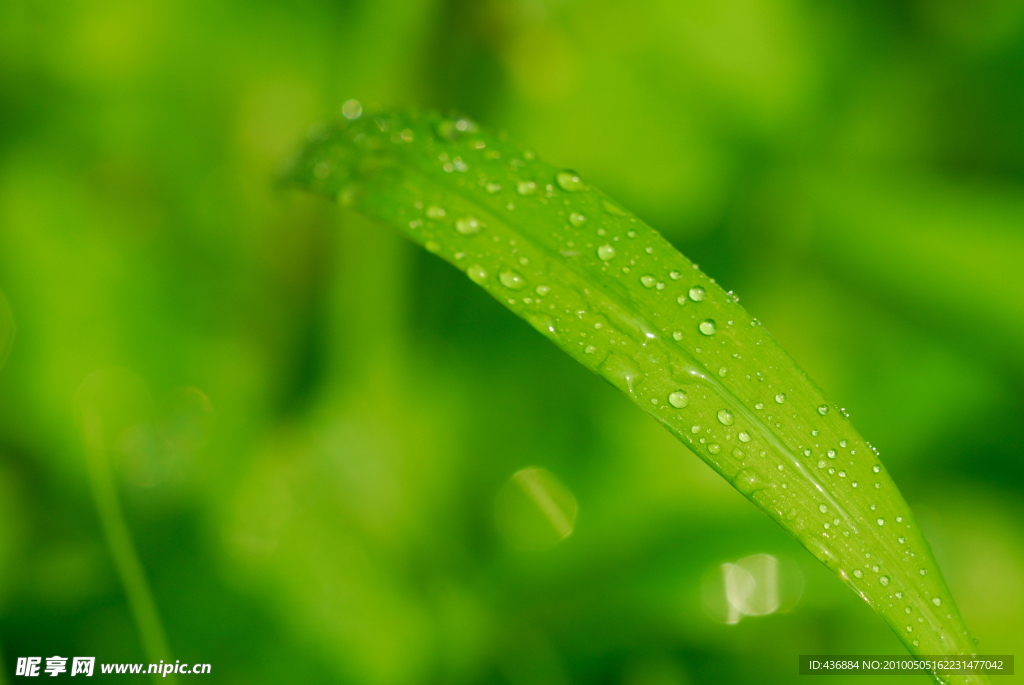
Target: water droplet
<point>543,290</point>
<point>477,273</point>
<point>679,400</point>
<point>707,327</point>
<point>648,281</point>
<point>569,181</point>
<point>842,474</point>
<point>910,629</point>
<point>923,572</point>
<point>714,449</point>
<point>352,109</point>
<point>842,443</point>
<point>780,398</point>
<point>467,225</point>
<point>577,219</point>
<point>675,275</point>
<point>901,540</point>
<point>822,508</point>
<point>884,580</point>
<point>823,409</point>
<point>936,601</point>
<point>677,335</point>
<point>858,573</point>
<point>510,279</point>
<point>605,252</point>
<point>492,188</point>
<point>526,187</point>
<point>746,481</point>
<point>435,212</point>
<point>876,468</point>
<point>697,293</point>
<point>744,436</point>
<point>880,522</point>
<point>759,406</point>
<point>725,417</point>
<point>831,454</point>
<point>854,484</point>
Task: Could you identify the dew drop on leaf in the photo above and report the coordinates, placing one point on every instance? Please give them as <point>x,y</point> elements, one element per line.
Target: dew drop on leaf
<point>780,398</point>
<point>823,409</point>
<point>725,417</point>
<point>577,219</point>
<point>435,212</point>
<point>477,273</point>
<point>697,293</point>
<point>526,187</point>
<point>467,225</point>
<point>707,327</point>
<point>605,253</point>
<point>648,281</point>
<point>678,400</point>
<point>744,436</point>
<point>569,181</point>
<point>884,580</point>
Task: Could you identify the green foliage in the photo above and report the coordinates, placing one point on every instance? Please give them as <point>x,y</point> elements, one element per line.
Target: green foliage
<point>617,297</point>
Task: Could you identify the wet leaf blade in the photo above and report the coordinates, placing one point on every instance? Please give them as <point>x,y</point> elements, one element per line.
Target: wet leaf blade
<point>618,298</point>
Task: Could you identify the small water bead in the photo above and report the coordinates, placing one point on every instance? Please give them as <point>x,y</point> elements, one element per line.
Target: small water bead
<point>681,299</point>
<point>916,643</point>
<point>842,443</point>
<point>744,436</point>
<point>569,181</point>
<point>858,573</point>
<point>822,508</point>
<point>821,463</point>
<point>901,540</point>
<point>807,452</point>
<point>695,429</point>
<point>467,225</point>
<point>759,406</point>
<point>884,580</point>
<point>831,454</point>
<point>723,372</point>
<point>675,275</point>
<point>648,281</point>
<point>432,246</point>
<point>725,417</point>
<point>876,468</point>
<point>910,629</point>
<point>823,409</point>
<point>697,293</point>
<point>707,327</point>
<point>880,522</point>
<point>435,212</point>
<point>855,484</point>
<point>492,188</point>
<point>677,335</point>
<point>543,290</point>
<point>590,349</point>
<point>899,519</point>
<point>780,398</point>
<point>899,595</point>
<point>875,568</point>
<point>510,279</point>
<point>649,250</point>
<point>923,572</point>
<point>936,601</point>
<point>714,449</point>
<point>679,400</point>
<point>577,219</point>
<point>477,273</point>
<point>907,610</point>
<point>605,253</point>
<point>526,187</point>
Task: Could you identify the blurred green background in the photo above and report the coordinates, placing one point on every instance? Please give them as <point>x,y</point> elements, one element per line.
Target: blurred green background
<point>310,421</point>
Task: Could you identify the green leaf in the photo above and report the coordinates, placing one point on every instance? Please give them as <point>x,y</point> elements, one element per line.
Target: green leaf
<point>623,302</point>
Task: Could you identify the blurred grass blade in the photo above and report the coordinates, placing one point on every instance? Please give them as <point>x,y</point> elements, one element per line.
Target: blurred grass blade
<point>6,329</point>
<point>618,298</point>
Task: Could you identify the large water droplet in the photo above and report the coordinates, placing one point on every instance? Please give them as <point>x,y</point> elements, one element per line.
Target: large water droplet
<point>744,436</point>
<point>605,253</point>
<point>707,327</point>
<point>543,290</point>
<point>467,225</point>
<point>435,212</point>
<point>780,398</point>
<point>714,448</point>
<point>822,508</point>
<point>569,181</point>
<point>526,187</point>
<point>725,417</point>
<point>936,601</point>
<point>880,522</point>
<point>477,273</point>
<point>876,468</point>
<point>677,335</point>
<point>577,219</point>
<point>697,293</point>
<point>823,409</point>
<point>678,399</point>
<point>884,580</point>
<point>510,279</point>
<point>648,281</point>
